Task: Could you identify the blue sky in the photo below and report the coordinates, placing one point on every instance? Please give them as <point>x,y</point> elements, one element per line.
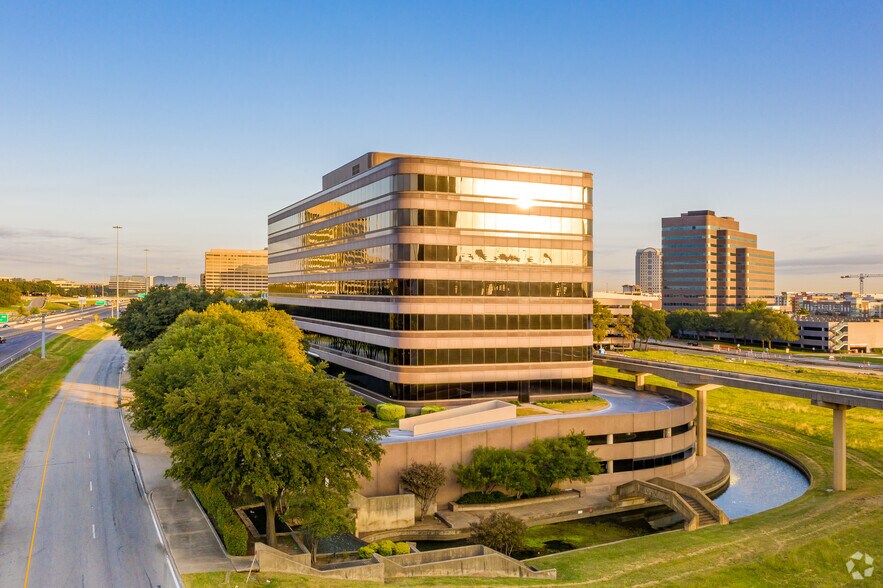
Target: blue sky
<point>187,123</point>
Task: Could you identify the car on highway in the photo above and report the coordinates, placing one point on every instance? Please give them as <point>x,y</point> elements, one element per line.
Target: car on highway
<point>5,326</point>
<point>59,327</point>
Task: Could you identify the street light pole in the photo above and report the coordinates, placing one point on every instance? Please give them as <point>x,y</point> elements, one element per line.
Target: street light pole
<point>43,336</point>
<point>117,227</point>
<point>146,278</point>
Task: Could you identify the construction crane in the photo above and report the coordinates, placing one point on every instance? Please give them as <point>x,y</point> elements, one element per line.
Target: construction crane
<point>861,280</point>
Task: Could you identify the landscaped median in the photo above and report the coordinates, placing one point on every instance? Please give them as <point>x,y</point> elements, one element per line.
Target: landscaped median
<point>27,388</point>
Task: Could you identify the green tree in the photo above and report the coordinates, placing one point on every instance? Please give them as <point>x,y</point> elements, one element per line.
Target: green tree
<point>482,472</point>
<point>500,531</point>
<point>602,320</point>
<point>562,458</point>
<point>10,295</point>
<point>624,326</point>
<point>649,323</point>
<point>684,321</point>
<point>322,513</point>
<point>765,324</point>
<point>145,319</point>
<point>424,480</point>
<point>234,398</point>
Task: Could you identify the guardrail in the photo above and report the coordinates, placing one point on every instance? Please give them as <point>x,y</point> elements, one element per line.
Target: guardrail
<point>8,362</point>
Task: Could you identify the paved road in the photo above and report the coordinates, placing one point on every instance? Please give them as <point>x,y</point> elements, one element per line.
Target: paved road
<point>21,336</point>
<point>94,528</point>
<point>818,361</point>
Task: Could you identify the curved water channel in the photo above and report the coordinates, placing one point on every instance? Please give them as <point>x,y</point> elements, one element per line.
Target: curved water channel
<point>758,481</point>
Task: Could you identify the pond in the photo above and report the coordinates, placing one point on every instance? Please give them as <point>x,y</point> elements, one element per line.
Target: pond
<point>758,481</point>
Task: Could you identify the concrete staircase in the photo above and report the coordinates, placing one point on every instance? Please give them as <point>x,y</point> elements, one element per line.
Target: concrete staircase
<point>690,502</point>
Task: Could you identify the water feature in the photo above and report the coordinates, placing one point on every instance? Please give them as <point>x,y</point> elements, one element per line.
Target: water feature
<point>758,481</point>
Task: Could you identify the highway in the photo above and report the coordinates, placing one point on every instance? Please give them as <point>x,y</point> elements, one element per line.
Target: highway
<point>22,335</point>
<point>76,516</point>
<point>690,375</point>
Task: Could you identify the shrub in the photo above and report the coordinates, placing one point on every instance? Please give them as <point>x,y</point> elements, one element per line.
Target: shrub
<point>402,548</point>
<point>561,458</point>
<point>482,498</point>
<point>431,408</point>
<point>390,412</point>
<point>365,552</point>
<point>229,526</point>
<point>424,480</point>
<point>500,531</point>
<point>386,548</point>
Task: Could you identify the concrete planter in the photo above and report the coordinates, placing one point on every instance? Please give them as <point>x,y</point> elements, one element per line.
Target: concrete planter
<point>565,495</point>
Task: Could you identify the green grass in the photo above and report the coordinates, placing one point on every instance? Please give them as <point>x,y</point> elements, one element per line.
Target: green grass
<point>804,373</point>
<point>528,411</point>
<point>578,533</point>
<point>27,388</point>
<point>802,543</point>
<point>579,405</point>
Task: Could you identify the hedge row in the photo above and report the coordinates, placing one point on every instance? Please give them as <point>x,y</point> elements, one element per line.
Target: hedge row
<point>227,523</point>
<point>385,548</point>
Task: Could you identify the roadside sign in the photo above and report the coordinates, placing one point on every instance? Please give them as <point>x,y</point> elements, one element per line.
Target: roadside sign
<point>142,295</point>
<point>101,303</point>
<point>81,301</point>
<point>4,318</point>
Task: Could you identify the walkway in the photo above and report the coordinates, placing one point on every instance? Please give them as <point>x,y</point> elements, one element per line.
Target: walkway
<point>190,536</point>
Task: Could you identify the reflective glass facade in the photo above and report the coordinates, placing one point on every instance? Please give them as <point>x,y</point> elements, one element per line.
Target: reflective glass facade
<point>442,235</point>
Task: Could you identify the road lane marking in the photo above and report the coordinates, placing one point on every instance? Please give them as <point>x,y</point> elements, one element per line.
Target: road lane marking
<point>93,531</point>
<point>45,468</point>
<point>90,485</point>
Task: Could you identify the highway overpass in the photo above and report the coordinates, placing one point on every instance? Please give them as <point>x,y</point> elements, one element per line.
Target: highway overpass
<point>838,398</point>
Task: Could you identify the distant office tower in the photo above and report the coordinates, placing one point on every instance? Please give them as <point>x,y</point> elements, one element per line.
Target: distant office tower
<point>425,278</point>
<point>129,284</point>
<point>709,264</point>
<point>243,270</point>
<point>170,281</point>
<point>648,270</point>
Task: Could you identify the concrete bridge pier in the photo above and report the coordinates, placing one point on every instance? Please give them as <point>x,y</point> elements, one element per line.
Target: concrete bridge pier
<point>701,415</point>
<point>839,482</point>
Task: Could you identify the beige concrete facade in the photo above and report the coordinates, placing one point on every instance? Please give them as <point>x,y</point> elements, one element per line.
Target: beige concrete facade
<point>610,435</point>
<point>709,264</point>
<point>648,270</point>
<point>430,279</point>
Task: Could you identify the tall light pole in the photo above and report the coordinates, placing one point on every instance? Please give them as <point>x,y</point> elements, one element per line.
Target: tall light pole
<point>117,227</point>
<point>146,279</point>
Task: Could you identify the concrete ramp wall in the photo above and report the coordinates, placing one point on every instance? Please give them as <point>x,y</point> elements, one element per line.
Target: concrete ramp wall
<point>475,561</point>
<point>481,413</point>
<point>273,560</point>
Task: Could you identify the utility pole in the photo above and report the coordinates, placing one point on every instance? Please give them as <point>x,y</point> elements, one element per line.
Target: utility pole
<point>43,336</point>
<point>117,227</point>
<point>146,279</point>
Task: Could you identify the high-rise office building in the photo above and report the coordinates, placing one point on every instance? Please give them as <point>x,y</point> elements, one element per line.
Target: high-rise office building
<point>709,264</point>
<point>648,270</point>
<point>243,270</point>
<point>425,278</point>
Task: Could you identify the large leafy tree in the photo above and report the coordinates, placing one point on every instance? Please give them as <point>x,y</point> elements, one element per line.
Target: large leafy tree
<point>145,319</point>
<point>766,324</point>
<point>10,295</point>
<point>649,323</point>
<point>235,399</point>
<point>602,320</point>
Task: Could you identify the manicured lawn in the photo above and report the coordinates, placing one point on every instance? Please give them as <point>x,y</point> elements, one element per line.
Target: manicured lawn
<point>803,543</point>
<point>807,374</point>
<point>28,387</point>
<point>581,405</point>
<point>528,411</point>
<point>860,359</point>
<point>578,534</point>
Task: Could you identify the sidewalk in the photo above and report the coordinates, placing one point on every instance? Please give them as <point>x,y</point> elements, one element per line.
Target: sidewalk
<point>190,536</point>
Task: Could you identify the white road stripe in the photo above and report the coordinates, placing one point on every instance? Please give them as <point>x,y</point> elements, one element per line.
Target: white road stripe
<point>93,531</point>
<point>90,485</point>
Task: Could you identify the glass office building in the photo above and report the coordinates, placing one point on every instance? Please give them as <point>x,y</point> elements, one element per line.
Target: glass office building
<point>424,278</point>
